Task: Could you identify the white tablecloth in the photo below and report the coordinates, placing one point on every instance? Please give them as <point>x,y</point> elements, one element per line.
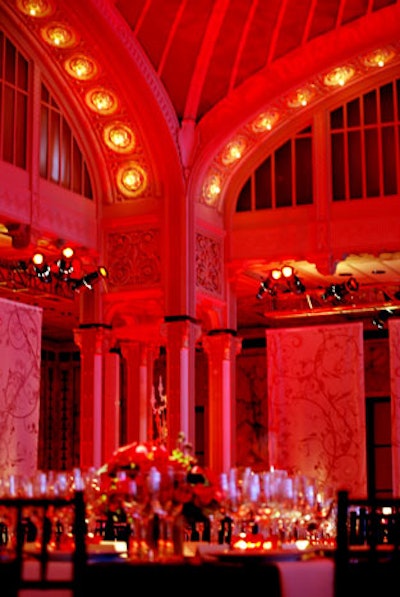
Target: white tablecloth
<point>308,578</point>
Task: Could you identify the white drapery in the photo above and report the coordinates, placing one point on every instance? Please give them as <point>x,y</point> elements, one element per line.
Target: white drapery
<point>20,356</point>
<point>316,403</point>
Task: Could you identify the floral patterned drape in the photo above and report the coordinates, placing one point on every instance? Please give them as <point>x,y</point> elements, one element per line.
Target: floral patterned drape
<point>20,352</point>
<point>316,403</point>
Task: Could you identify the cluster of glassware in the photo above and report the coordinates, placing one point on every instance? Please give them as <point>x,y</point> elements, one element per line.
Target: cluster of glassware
<point>277,508</point>
<point>255,510</point>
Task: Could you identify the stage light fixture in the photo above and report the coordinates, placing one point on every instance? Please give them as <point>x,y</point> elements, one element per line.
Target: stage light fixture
<point>287,271</point>
<point>339,291</point>
<point>381,318</point>
<point>89,279</point>
<point>41,268</point>
<point>281,280</point>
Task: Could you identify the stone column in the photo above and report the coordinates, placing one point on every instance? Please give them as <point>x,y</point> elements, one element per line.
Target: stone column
<point>181,332</point>
<point>94,343</point>
<point>112,404</point>
<point>222,346</point>
<point>139,358</point>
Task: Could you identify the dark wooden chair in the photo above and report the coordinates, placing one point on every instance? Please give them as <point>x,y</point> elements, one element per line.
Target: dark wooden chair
<point>367,556</point>
<point>14,551</point>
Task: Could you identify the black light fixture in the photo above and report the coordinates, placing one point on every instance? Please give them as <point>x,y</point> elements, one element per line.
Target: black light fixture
<point>339,291</point>
<point>381,318</point>
<point>41,268</point>
<point>89,279</point>
<point>281,280</point>
<point>62,270</point>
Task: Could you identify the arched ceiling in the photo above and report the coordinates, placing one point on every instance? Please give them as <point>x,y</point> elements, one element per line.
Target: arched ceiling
<point>211,65</point>
<point>204,50</point>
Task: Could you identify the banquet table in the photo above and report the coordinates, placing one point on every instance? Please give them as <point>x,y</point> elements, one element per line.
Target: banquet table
<point>313,577</point>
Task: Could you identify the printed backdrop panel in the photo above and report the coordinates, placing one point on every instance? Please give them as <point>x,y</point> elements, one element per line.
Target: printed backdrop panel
<point>20,354</point>
<point>316,403</point>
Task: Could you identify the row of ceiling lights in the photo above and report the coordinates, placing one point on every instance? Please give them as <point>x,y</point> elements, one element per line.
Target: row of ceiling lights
<point>266,121</point>
<point>132,178</point>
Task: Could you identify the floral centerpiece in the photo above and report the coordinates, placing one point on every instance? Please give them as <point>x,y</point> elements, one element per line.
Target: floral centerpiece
<point>182,485</point>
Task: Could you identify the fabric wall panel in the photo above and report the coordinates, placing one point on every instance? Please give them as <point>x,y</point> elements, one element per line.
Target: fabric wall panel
<point>20,354</point>
<point>316,403</point>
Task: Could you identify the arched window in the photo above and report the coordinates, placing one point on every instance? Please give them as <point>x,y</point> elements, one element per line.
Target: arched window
<point>61,160</point>
<point>364,138</point>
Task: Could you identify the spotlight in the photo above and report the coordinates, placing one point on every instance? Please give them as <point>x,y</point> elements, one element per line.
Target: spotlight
<point>276,274</point>
<point>298,285</point>
<point>65,268</point>
<point>351,284</point>
<point>287,271</point>
<point>262,290</point>
<point>382,317</point>
<point>88,279</point>
<point>41,268</point>
<point>68,252</point>
<point>339,291</point>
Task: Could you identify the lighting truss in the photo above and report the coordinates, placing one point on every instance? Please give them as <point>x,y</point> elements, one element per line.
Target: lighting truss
<point>63,276</point>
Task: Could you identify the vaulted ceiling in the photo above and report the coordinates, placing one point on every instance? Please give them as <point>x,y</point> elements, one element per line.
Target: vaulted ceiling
<point>214,63</point>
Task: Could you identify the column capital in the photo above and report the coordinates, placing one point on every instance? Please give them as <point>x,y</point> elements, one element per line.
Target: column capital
<point>179,329</point>
<point>95,338</point>
<point>222,344</point>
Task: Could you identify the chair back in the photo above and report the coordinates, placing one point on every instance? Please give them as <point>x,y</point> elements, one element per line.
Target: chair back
<point>34,527</point>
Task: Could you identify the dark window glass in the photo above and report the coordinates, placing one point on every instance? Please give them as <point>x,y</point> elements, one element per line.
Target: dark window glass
<point>353,113</point>
<point>21,131</point>
<point>370,108</point>
<point>355,165</point>
<point>337,121</point>
<point>372,162</point>
<point>387,103</point>
<point>338,172</point>
<point>244,200</point>
<point>44,131</point>
<point>389,161</point>
<point>304,183</point>
<point>8,124</point>
<point>283,175</point>
<point>10,63</point>
<point>264,185</point>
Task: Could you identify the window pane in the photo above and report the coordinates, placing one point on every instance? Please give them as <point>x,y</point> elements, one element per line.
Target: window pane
<point>338,179</point>
<point>370,108</point>
<point>389,161</point>
<point>283,176</point>
<point>337,119</point>
<point>372,162</point>
<point>44,131</point>
<point>304,187</point>
<point>8,124</point>
<point>54,147</point>
<point>10,62</point>
<point>76,173</point>
<point>387,103</point>
<point>22,73</point>
<point>355,172</point>
<point>21,130</point>
<point>65,156</point>
<point>263,185</point>
<point>353,113</point>
<point>244,199</point>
